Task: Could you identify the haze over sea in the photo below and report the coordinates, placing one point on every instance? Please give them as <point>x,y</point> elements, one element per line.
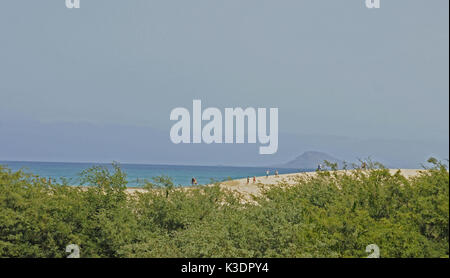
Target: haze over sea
<point>137,173</point>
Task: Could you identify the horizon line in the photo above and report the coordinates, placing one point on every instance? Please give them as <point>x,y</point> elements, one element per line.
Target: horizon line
<point>146,164</point>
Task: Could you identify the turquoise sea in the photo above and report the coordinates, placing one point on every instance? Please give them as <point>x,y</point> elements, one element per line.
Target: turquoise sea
<point>136,173</point>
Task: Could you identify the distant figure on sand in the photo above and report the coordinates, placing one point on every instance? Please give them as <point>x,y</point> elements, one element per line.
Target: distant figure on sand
<point>254,179</point>
<point>248,180</point>
<point>364,166</point>
<point>319,167</point>
<point>267,173</point>
<point>276,173</point>
<point>193,181</point>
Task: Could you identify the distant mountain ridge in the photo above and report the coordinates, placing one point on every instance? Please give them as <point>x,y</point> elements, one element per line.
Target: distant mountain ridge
<point>310,160</point>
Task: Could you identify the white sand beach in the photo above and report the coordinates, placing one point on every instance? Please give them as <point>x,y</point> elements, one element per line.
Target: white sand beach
<point>241,186</point>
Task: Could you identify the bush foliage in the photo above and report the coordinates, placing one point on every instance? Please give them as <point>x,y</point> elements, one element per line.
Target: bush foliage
<point>329,215</point>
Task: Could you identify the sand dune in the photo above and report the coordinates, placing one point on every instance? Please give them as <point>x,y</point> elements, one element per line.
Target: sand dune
<point>241,186</point>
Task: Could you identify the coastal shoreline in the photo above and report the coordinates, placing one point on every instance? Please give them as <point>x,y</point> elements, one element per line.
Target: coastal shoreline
<point>254,188</point>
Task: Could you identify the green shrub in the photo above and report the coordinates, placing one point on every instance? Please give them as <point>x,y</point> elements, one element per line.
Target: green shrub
<point>330,215</point>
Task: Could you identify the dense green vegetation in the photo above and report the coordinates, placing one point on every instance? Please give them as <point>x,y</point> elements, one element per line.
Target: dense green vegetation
<point>326,216</point>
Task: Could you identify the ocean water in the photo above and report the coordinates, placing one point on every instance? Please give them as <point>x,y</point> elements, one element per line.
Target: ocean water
<point>136,173</point>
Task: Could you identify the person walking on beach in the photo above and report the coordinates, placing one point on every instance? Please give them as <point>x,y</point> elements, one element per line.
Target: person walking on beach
<point>248,180</point>
<point>276,173</point>
<point>267,173</point>
<point>254,179</point>
<point>364,166</point>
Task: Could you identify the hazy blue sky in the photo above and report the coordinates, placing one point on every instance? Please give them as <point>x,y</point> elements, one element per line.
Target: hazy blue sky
<point>331,67</point>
